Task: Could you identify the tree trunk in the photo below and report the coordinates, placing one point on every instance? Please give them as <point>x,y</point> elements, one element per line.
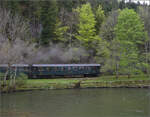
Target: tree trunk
<point>146,58</point>
<point>10,81</point>
<point>5,77</point>
<point>117,74</point>
<point>129,75</point>
<point>14,78</point>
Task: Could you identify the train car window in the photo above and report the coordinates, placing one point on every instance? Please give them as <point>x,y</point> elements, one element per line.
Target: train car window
<point>58,68</point>
<point>75,68</point>
<point>89,68</point>
<point>80,68</point>
<point>93,68</point>
<point>35,68</point>
<point>40,69</point>
<point>51,68</point>
<point>55,68</point>
<point>47,68</point>
<point>20,68</point>
<point>66,68</point>
<point>44,68</point>
<point>25,68</point>
<point>69,68</point>
<point>63,68</point>
<point>86,68</point>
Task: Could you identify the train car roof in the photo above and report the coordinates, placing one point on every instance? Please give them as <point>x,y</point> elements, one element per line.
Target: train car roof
<point>56,65</point>
<point>20,65</point>
<point>14,65</point>
<point>48,65</point>
<point>3,65</point>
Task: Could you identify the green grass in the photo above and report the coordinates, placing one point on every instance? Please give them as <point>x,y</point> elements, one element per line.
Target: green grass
<point>93,79</point>
<point>70,83</point>
<point>121,78</point>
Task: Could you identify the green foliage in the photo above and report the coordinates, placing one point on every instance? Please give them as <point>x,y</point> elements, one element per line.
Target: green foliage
<point>86,26</point>
<point>100,16</point>
<point>87,32</point>
<point>49,17</point>
<point>1,78</point>
<point>60,33</point>
<point>130,27</point>
<point>121,46</point>
<point>130,33</point>
<point>129,5</point>
<point>13,6</point>
<point>21,79</point>
<point>107,28</point>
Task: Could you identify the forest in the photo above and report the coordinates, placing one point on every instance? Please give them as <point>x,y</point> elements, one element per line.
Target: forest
<point>112,33</point>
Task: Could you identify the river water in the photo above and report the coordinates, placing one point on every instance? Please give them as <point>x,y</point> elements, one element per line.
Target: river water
<point>115,102</point>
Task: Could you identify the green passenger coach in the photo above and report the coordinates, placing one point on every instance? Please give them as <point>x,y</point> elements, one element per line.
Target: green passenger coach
<point>54,70</point>
<point>62,70</point>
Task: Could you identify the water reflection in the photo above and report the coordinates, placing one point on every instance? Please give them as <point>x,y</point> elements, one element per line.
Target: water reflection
<point>77,103</point>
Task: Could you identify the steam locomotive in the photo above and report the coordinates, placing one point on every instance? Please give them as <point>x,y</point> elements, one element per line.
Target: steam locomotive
<point>53,70</point>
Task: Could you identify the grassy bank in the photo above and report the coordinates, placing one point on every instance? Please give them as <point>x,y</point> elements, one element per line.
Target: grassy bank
<point>98,82</point>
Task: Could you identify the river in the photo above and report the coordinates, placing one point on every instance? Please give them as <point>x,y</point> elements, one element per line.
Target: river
<point>103,102</point>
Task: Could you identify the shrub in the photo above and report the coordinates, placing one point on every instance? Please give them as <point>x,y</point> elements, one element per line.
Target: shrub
<point>21,79</point>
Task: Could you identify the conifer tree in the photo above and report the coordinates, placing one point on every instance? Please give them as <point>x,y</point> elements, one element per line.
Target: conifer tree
<point>100,16</point>
<point>86,27</point>
<point>49,15</point>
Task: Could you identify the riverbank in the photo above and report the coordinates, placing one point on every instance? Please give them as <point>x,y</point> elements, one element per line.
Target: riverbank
<point>97,82</point>
<point>73,83</point>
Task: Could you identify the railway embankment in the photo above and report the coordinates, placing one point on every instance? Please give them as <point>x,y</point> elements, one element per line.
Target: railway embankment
<point>73,83</point>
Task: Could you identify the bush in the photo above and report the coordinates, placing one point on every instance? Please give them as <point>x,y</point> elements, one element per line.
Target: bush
<point>21,79</point>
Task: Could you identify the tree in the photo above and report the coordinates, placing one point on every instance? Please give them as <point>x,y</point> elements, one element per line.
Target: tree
<point>110,62</point>
<point>144,12</point>
<point>100,16</point>
<point>131,35</point>
<point>13,5</point>
<point>86,26</point>
<point>69,19</point>
<point>87,34</point>
<point>129,5</point>
<point>60,33</point>
<point>14,44</point>
<point>107,28</point>
<point>49,17</point>
<point>107,5</point>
